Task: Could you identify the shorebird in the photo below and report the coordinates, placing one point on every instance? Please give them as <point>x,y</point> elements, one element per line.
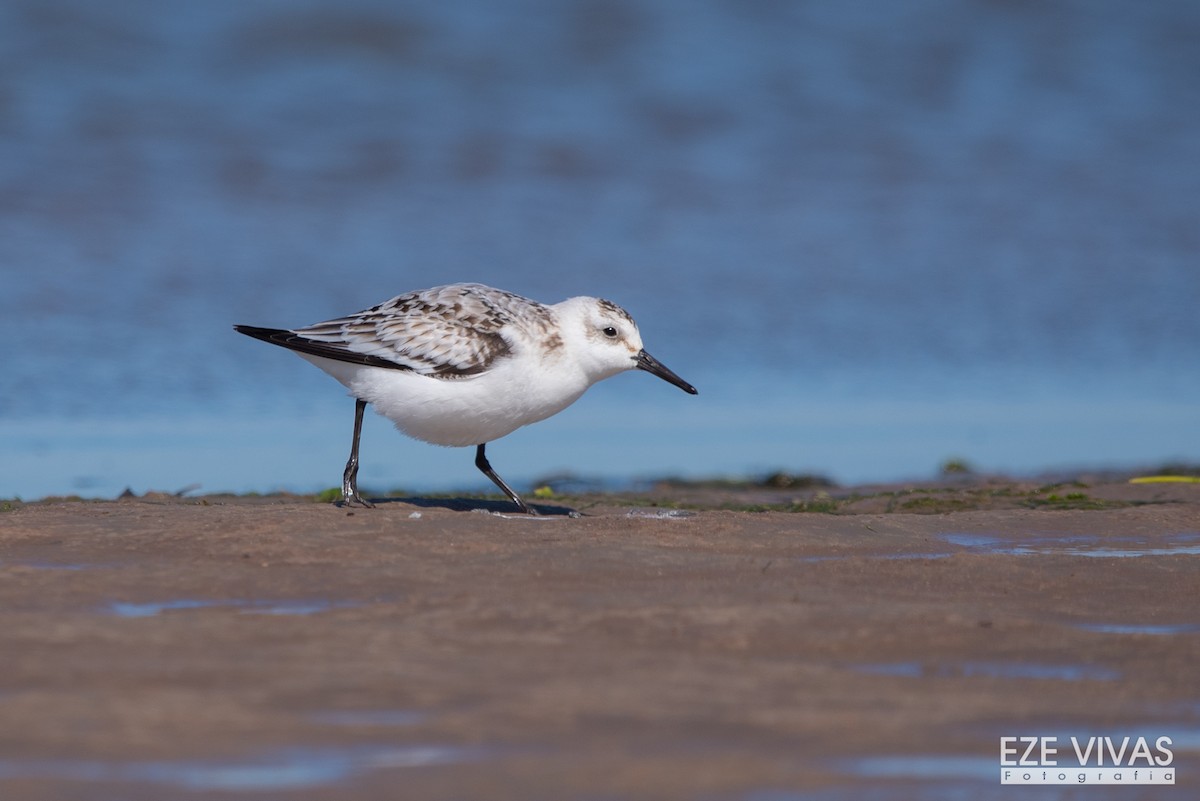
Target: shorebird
<point>466,364</point>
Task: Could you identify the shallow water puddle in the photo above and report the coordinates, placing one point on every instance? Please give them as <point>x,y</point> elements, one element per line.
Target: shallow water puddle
<point>40,565</point>
<point>1138,628</point>
<point>1076,545</point>
<point>906,791</point>
<point>995,670</point>
<point>247,607</point>
<point>903,788</point>
<point>1036,545</point>
<point>659,514</point>
<point>925,767</point>
<point>887,557</point>
<point>370,717</point>
<point>292,769</point>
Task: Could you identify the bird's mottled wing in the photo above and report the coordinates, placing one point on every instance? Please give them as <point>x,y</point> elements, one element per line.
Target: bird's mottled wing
<point>448,332</point>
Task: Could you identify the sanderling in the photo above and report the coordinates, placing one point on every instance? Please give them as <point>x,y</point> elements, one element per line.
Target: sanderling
<point>465,364</point>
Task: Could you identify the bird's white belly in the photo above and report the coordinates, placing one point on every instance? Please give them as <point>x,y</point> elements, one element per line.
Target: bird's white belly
<point>457,411</point>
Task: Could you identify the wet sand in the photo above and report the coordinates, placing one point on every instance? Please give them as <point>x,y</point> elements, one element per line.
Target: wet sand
<point>281,648</point>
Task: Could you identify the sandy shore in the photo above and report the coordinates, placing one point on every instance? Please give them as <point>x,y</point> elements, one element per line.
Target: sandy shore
<point>280,648</point>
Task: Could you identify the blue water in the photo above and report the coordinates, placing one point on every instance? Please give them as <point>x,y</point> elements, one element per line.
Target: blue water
<point>875,236</point>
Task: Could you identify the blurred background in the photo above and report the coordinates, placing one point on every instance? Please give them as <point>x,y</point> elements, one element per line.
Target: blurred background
<point>876,236</point>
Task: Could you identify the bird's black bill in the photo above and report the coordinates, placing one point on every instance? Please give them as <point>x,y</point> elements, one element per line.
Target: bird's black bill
<point>652,365</point>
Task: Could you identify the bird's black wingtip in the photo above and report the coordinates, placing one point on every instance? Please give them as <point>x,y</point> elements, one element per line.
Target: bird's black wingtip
<point>336,351</point>
<point>265,334</point>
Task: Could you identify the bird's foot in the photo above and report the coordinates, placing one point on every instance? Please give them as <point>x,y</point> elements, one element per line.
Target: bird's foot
<point>523,507</point>
<point>352,499</point>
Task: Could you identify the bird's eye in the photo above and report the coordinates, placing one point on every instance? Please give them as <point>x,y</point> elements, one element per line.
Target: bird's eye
<point>610,332</point>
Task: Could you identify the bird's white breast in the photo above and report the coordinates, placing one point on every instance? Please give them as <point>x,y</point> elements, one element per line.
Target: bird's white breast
<point>463,411</point>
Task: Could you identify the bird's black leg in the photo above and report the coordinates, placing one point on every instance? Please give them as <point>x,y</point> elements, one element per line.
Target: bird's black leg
<point>482,463</point>
<point>350,496</point>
